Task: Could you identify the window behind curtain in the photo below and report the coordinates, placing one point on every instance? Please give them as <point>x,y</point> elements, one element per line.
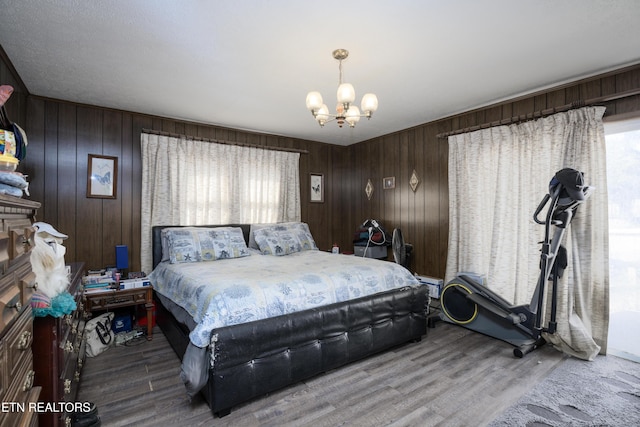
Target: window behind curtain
<point>190,182</point>
<point>623,178</point>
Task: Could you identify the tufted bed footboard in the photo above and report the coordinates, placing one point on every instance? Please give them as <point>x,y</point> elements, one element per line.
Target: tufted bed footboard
<point>256,358</point>
<point>377,305</point>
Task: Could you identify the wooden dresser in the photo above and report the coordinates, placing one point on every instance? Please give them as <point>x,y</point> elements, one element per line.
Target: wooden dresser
<point>17,283</point>
<point>59,353</point>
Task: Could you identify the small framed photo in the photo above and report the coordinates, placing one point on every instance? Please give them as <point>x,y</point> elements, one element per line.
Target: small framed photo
<point>102,177</point>
<point>316,187</point>
<point>388,182</point>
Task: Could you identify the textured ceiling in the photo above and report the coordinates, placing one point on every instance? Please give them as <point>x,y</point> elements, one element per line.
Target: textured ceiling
<point>250,64</point>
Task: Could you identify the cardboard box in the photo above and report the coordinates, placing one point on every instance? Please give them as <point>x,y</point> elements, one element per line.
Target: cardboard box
<point>121,323</point>
<point>481,279</point>
<point>134,283</point>
<point>435,285</point>
<point>373,251</point>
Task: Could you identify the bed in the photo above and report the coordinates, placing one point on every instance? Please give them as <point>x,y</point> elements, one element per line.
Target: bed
<point>255,308</point>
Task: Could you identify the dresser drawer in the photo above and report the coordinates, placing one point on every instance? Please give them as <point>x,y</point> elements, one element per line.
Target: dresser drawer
<point>4,375</point>
<point>4,250</point>
<point>10,306</point>
<point>17,371</point>
<point>21,235</point>
<point>26,280</point>
<point>18,343</point>
<point>22,393</point>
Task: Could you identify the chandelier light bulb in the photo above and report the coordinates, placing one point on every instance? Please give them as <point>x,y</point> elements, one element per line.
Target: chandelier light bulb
<point>369,104</point>
<point>353,116</point>
<point>346,93</point>
<point>314,101</point>
<point>322,115</point>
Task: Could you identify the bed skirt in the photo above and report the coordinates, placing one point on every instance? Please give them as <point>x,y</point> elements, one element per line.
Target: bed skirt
<point>256,358</point>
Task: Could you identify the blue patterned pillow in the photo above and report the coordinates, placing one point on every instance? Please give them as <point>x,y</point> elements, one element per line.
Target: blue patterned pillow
<point>284,239</point>
<point>196,244</point>
<point>227,242</point>
<point>255,227</point>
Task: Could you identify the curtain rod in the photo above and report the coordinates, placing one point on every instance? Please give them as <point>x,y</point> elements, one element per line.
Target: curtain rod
<point>218,141</point>
<point>543,113</point>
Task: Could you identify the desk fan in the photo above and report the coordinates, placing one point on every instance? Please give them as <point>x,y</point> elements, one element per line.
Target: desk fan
<point>401,250</point>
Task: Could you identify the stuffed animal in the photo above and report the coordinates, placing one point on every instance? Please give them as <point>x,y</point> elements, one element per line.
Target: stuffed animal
<point>47,260</point>
<point>5,93</point>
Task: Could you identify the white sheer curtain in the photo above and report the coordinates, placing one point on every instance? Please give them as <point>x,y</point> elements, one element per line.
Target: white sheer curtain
<point>497,177</point>
<point>190,182</point>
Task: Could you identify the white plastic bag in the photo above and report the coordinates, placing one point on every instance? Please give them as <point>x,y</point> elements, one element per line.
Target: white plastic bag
<point>99,334</point>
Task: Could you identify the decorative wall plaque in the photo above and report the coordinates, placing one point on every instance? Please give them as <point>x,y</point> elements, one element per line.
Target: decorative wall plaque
<point>369,189</point>
<point>414,181</point>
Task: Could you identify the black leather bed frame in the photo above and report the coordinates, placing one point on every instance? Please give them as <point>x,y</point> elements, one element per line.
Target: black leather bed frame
<point>256,358</point>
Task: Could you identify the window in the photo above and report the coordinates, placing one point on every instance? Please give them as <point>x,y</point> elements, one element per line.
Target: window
<point>623,182</point>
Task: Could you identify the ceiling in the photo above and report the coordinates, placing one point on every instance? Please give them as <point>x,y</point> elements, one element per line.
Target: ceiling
<point>249,64</point>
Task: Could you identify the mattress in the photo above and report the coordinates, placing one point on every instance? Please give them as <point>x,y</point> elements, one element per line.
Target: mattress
<point>239,290</point>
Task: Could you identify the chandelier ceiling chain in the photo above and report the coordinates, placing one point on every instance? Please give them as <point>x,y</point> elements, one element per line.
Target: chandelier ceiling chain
<point>345,110</point>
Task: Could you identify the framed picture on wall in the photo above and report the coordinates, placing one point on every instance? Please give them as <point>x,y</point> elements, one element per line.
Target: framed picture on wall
<point>102,176</point>
<point>317,187</point>
<point>389,182</point>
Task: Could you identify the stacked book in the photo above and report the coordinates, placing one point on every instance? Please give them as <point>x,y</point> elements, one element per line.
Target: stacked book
<point>98,281</point>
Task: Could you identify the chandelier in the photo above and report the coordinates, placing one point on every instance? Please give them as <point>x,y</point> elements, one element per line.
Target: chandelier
<point>345,110</point>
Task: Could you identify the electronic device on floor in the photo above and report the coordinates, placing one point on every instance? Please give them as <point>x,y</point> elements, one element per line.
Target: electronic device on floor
<point>467,303</point>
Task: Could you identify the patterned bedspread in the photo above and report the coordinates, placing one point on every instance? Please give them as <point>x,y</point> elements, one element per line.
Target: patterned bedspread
<point>232,291</point>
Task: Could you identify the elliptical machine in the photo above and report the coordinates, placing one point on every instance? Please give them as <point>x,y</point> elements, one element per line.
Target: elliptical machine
<point>467,303</point>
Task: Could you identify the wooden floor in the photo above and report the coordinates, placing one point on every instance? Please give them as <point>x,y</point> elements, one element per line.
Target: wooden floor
<point>453,377</point>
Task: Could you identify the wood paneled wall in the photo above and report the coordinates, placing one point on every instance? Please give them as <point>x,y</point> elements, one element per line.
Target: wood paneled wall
<point>423,216</point>
<point>62,134</point>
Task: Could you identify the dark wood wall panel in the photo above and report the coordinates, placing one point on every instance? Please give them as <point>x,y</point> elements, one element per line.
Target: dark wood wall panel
<point>62,134</point>
<point>424,216</point>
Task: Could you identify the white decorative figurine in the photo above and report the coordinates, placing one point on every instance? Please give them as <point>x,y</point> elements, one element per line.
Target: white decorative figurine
<point>47,262</point>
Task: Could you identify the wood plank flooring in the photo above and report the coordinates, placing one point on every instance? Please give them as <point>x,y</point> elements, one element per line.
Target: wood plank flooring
<point>453,377</point>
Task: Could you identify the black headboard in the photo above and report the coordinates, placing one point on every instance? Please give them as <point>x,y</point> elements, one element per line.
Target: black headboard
<point>156,239</point>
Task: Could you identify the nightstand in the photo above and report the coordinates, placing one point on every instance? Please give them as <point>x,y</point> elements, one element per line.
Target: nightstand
<point>108,300</point>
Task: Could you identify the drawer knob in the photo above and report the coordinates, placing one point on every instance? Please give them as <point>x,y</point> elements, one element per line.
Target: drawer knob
<point>23,342</point>
<point>28,381</point>
<point>67,386</point>
<point>28,236</point>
